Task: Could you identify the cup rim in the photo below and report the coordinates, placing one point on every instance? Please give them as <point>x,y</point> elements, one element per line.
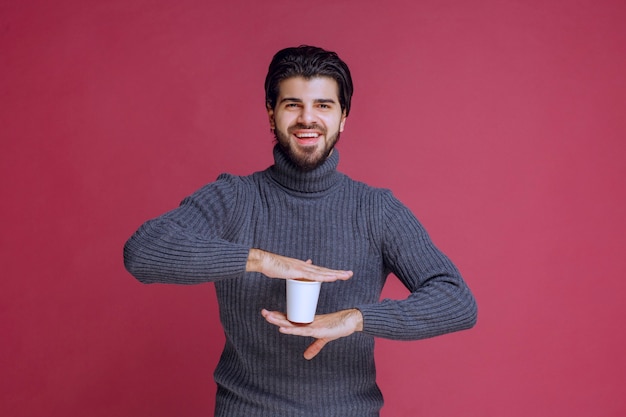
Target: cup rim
<point>303,281</point>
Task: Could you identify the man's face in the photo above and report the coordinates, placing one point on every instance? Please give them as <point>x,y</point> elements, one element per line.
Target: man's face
<point>307,119</point>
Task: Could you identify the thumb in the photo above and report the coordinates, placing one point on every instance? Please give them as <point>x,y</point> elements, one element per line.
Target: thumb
<point>314,348</point>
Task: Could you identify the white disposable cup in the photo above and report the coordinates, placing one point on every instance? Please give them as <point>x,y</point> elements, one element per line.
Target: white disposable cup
<point>302,296</point>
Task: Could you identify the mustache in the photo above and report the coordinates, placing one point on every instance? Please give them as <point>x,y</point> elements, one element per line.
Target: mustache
<point>301,126</point>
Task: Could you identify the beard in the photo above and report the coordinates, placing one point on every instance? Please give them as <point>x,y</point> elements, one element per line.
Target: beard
<point>306,159</point>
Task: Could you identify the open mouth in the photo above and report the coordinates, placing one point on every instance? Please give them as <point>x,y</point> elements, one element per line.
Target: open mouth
<point>311,135</point>
<point>307,137</point>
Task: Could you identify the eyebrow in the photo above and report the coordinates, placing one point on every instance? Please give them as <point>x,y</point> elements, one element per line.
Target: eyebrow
<point>317,100</point>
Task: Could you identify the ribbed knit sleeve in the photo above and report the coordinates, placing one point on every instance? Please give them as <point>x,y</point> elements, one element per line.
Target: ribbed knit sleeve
<point>188,245</point>
<point>440,301</point>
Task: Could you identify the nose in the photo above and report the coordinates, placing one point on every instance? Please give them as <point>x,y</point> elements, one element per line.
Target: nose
<point>307,115</point>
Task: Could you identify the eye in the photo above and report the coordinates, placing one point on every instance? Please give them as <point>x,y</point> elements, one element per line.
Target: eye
<point>326,105</point>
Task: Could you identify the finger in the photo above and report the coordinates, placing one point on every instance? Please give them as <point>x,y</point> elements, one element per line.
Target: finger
<point>321,274</point>
<point>285,326</point>
<point>315,348</point>
<point>275,317</point>
<point>338,275</point>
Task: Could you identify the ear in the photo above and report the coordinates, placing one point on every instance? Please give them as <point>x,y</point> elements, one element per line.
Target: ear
<point>270,115</point>
<point>342,123</point>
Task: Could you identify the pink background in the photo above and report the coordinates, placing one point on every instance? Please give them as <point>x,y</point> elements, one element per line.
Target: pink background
<point>500,123</point>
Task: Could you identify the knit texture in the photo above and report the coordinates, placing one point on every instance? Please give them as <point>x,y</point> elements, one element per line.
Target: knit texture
<point>338,223</point>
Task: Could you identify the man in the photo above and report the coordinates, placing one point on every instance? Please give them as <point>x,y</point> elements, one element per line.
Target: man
<point>301,218</point>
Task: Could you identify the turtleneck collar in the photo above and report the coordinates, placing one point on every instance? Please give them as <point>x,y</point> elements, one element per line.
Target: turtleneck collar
<point>287,174</point>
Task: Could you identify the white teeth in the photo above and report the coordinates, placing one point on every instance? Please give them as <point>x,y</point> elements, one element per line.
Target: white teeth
<point>307,135</point>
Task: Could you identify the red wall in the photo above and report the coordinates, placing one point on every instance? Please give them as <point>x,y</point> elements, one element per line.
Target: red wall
<point>500,123</point>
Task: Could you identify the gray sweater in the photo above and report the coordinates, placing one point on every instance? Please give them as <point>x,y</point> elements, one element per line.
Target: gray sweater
<point>337,222</point>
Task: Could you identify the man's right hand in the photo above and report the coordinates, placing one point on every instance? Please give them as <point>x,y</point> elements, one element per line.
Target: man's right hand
<point>277,266</point>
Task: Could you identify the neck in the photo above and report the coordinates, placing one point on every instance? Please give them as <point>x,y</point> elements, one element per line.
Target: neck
<point>290,176</point>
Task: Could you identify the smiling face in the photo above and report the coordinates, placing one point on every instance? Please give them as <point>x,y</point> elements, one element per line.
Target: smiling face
<point>307,119</point>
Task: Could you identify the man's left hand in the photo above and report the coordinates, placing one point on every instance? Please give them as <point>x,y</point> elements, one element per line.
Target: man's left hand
<point>325,328</point>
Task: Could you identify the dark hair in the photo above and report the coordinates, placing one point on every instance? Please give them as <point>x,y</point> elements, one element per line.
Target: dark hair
<point>308,62</point>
